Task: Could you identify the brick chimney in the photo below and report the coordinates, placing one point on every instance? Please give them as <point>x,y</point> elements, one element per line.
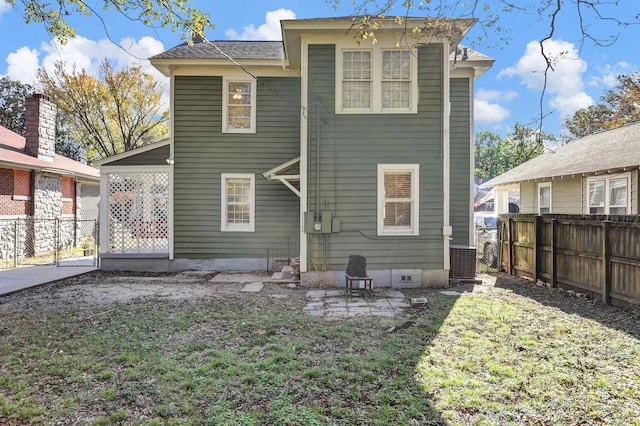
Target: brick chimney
<point>40,127</point>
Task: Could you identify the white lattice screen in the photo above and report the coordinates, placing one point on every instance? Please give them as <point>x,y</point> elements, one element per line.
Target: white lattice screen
<point>138,212</point>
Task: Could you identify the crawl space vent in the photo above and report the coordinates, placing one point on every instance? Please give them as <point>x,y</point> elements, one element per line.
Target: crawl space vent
<point>406,278</point>
<point>463,262</point>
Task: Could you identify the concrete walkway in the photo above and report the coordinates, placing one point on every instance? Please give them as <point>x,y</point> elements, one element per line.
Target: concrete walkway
<point>13,280</point>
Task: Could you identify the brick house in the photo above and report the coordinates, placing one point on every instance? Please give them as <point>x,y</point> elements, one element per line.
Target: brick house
<point>39,188</point>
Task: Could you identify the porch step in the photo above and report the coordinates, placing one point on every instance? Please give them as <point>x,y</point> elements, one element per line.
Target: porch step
<point>287,273</point>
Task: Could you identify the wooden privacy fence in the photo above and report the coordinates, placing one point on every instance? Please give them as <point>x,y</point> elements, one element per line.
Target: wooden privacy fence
<point>596,255</point>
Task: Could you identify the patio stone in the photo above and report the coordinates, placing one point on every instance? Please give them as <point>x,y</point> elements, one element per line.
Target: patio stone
<point>395,294</point>
<point>316,294</point>
<point>253,288</point>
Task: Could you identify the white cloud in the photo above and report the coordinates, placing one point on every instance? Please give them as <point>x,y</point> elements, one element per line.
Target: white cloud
<point>488,113</point>
<point>486,110</point>
<point>571,103</point>
<point>270,30</point>
<point>86,54</point>
<point>22,65</point>
<point>564,83</point>
<point>608,74</point>
<point>492,95</point>
<point>4,7</point>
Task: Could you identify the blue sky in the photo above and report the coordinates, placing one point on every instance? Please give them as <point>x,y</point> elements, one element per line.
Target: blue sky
<point>509,92</point>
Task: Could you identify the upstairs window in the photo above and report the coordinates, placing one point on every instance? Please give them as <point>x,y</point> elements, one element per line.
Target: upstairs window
<point>398,203</point>
<point>376,80</point>
<point>239,112</point>
<point>356,80</point>
<point>396,79</point>
<point>609,195</point>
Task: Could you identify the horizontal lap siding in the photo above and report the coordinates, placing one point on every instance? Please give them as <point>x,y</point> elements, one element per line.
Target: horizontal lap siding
<point>567,195</point>
<point>352,145</point>
<point>460,160</point>
<point>202,152</point>
<point>153,157</point>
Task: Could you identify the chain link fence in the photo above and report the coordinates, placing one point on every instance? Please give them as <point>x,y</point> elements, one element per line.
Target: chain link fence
<point>37,241</point>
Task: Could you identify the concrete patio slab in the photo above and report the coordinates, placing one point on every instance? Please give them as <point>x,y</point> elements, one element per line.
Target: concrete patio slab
<point>335,304</point>
<point>253,287</point>
<point>450,293</point>
<point>238,277</point>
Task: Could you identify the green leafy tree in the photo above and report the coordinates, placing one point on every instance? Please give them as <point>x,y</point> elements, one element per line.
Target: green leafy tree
<point>13,114</point>
<point>114,112</point>
<point>12,104</point>
<point>619,106</point>
<point>178,15</point>
<point>495,155</point>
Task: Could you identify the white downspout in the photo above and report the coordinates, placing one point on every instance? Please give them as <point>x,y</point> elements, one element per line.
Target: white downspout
<point>171,161</point>
<point>472,160</point>
<point>304,112</point>
<point>446,227</point>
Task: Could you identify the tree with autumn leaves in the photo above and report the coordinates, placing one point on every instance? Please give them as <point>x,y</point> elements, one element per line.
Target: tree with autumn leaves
<point>113,112</point>
<point>619,106</point>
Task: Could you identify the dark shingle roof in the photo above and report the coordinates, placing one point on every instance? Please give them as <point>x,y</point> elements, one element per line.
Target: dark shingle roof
<point>609,150</point>
<point>236,49</point>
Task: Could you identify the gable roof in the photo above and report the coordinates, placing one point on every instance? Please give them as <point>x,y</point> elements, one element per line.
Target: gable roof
<point>12,155</point>
<point>132,153</point>
<point>268,50</point>
<point>608,151</point>
<point>287,52</point>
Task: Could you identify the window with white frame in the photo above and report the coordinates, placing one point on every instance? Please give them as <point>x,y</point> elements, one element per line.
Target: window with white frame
<point>238,202</point>
<point>239,112</point>
<point>398,201</point>
<point>608,195</point>
<point>376,80</point>
<point>544,198</point>
<point>356,80</point>
<point>396,79</point>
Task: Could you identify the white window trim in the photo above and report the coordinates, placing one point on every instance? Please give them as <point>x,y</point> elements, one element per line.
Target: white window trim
<point>546,185</point>
<point>224,226</point>
<point>606,179</point>
<point>376,79</point>
<point>225,105</point>
<point>415,195</point>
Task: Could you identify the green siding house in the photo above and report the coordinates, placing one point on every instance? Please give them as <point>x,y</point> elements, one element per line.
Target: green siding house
<point>337,147</point>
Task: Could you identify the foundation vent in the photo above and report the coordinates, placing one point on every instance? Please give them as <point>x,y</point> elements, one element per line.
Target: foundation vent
<point>406,278</point>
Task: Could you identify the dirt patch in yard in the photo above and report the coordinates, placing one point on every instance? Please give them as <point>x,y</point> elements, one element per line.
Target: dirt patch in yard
<point>98,289</point>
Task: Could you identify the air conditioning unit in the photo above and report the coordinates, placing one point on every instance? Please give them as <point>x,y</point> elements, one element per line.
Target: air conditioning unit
<point>463,262</point>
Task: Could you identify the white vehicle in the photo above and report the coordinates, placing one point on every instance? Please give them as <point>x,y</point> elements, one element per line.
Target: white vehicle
<point>486,236</point>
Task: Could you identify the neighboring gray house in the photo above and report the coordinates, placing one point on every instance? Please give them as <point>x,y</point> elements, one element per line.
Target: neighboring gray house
<point>345,148</point>
<point>597,174</point>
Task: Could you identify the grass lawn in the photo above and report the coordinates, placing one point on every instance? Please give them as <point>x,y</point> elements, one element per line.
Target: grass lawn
<point>519,355</point>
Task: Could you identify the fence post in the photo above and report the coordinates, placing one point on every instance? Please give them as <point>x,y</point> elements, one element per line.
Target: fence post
<point>511,251</point>
<point>16,231</point>
<point>606,263</point>
<point>537,228</point>
<point>554,253</point>
<point>56,238</point>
